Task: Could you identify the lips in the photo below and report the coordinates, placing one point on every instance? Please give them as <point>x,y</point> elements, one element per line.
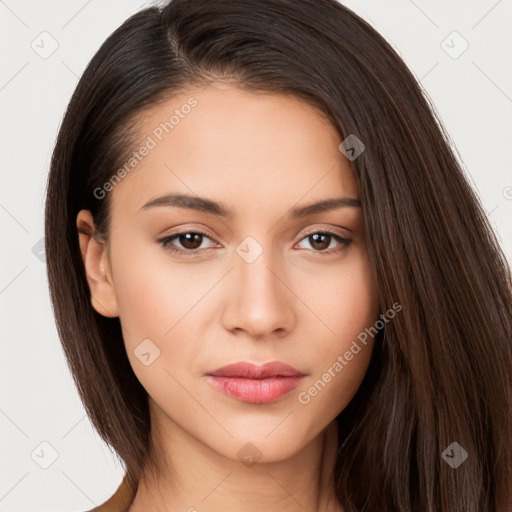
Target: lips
<point>252,371</point>
<point>255,384</point>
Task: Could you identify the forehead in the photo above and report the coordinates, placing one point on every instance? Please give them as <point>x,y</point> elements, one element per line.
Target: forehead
<point>262,150</point>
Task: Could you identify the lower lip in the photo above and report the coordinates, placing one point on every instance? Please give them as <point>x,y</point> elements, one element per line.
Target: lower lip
<point>255,391</point>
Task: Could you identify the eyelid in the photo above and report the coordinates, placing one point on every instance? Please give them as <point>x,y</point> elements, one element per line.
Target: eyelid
<point>319,228</point>
<point>191,229</point>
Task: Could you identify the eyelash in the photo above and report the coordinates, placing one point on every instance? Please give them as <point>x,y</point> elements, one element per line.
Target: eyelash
<point>165,242</point>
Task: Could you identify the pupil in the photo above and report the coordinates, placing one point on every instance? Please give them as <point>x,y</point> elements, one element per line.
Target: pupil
<point>188,241</point>
<point>315,238</point>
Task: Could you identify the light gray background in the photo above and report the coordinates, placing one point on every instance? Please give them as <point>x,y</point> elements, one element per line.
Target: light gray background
<point>38,400</point>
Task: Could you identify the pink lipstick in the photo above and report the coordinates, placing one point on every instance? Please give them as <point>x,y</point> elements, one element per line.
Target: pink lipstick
<point>255,384</point>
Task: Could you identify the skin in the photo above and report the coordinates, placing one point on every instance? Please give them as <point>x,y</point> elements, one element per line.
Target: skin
<point>261,155</point>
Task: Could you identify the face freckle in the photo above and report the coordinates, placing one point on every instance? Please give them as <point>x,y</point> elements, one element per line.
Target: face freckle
<point>258,289</point>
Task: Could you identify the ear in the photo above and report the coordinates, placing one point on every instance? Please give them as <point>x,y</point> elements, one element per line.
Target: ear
<point>97,266</point>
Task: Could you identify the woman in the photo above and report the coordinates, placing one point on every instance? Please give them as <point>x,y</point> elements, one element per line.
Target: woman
<point>274,286</point>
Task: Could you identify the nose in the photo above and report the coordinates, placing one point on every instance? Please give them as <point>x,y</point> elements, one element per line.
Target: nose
<point>260,301</point>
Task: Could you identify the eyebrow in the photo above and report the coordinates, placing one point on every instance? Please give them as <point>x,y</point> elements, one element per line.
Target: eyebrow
<point>205,205</point>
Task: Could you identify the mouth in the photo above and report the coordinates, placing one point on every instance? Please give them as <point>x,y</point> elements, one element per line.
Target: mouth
<point>255,384</point>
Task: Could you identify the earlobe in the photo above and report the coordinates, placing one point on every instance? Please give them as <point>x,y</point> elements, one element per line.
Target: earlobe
<point>97,268</point>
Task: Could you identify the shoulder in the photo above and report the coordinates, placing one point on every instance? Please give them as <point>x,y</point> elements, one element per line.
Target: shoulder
<point>119,501</point>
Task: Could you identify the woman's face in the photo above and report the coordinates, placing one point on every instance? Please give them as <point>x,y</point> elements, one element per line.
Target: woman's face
<point>265,284</point>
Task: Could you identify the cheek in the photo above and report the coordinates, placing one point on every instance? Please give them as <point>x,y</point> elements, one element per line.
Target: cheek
<point>346,300</point>
<point>152,290</point>
<point>156,306</point>
<point>154,297</point>
<point>350,308</point>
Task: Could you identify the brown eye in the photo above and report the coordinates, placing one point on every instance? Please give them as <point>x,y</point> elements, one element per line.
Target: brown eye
<point>189,242</point>
<point>320,241</point>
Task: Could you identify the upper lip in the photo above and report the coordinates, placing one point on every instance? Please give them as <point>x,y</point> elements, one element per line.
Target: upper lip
<point>253,371</point>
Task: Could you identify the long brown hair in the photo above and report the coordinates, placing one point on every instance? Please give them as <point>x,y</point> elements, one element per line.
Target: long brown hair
<point>441,370</point>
